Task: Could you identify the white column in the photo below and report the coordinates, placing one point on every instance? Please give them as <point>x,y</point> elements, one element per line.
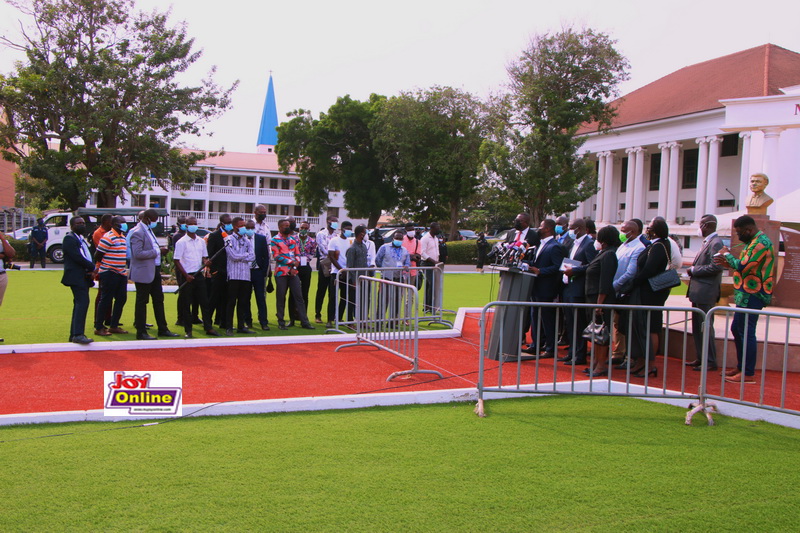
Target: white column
<point>769,160</point>
<point>713,172</point>
<point>672,193</point>
<point>744,175</point>
<point>630,183</point>
<point>702,176</point>
<point>610,202</point>
<point>662,179</point>
<point>601,185</point>
<point>640,195</point>
<point>207,197</point>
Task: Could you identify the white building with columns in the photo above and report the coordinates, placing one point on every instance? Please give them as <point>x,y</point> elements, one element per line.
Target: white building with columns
<point>686,144</point>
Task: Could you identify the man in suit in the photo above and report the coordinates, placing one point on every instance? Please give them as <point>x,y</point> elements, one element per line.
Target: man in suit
<point>523,232</point>
<point>583,251</point>
<point>546,288</point>
<point>562,234</point>
<point>218,300</point>
<point>705,277</point>
<point>78,269</point>
<point>259,272</point>
<point>145,272</point>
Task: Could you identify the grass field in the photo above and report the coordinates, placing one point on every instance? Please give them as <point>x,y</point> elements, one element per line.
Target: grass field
<point>547,464</point>
<point>37,308</point>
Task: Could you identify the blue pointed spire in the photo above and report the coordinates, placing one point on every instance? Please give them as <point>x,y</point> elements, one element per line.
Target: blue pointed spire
<point>269,119</point>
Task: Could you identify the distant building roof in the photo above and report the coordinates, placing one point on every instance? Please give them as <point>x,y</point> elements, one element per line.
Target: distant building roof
<point>267,135</point>
<point>243,161</point>
<point>759,71</point>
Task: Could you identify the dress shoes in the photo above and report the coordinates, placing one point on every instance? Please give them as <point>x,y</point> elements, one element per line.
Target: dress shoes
<point>102,332</point>
<point>564,359</point>
<point>617,359</point>
<point>318,320</point>
<point>530,350</point>
<point>264,327</point>
<point>119,331</point>
<point>212,333</point>
<point>81,339</point>
<point>196,320</point>
<point>571,362</point>
<point>282,327</point>
<point>696,362</point>
<point>291,323</point>
<point>307,325</point>
<point>622,366</point>
<point>546,355</point>
<point>229,332</point>
<point>188,336</point>
<point>737,378</point>
<point>698,368</point>
<point>144,337</point>
<point>245,330</point>
<point>167,333</point>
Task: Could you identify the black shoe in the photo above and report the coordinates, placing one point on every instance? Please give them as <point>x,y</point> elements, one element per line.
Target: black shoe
<point>196,320</point>
<point>531,350</point>
<point>696,362</point>
<point>622,366</point>
<point>144,337</point>
<point>245,330</point>
<point>653,372</point>
<point>81,339</point>
<point>212,333</point>
<point>564,359</point>
<point>282,327</point>
<point>546,355</point>
<point>617,360</point>
<point>710,369</point>
<point>167,333</point>
<point>229,332</point>
<point>264,327</point>
<point>147,326</point>
<point>291,323</point>
<point>188,336</point>
<point>307,326</point>
<point>571,362</point>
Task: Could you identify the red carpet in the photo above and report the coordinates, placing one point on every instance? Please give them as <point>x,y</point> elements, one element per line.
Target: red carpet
<point>67,381</point>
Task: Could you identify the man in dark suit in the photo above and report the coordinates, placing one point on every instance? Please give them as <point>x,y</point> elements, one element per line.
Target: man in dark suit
<point>583,251</point>
<point>562,234</point>
<point>218,300</point>
<point>546,288</point>
<point>78,268</point>
<point>259,273</point>
<point>704,288</point>
<point>523,232</point>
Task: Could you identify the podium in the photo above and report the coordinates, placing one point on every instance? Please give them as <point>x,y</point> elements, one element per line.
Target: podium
<point>515,286</point>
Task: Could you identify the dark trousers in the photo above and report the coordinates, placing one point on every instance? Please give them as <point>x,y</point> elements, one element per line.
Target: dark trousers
<point>145,291</point>
<point>258,277</point>
<point>304,273</point>
<point>745,338</point>
<point>218,301</point>
<point>238,297</point>
<point>347,299</point>
<point>430,290</point>
<point>113,295</point>
<point>80,306</point>
<point>293,286</point>
<point>323,288</point>
<point>546,338</point>
<point>194,303</point>
<point>698,322</point>
<point>575,321</point>
<point>40,253</point>
<point>196,291</point>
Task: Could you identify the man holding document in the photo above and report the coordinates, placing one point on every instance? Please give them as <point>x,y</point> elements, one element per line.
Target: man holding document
<point>574,266</point>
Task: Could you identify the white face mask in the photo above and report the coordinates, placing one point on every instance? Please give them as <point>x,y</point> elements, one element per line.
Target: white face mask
<point>411,233</point>
<point>700,233</point>
<point>598,246</point>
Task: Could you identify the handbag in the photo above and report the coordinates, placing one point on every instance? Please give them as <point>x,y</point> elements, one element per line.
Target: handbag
<point>667,279</point>
<point>597,333</point>
<point>270,286</point>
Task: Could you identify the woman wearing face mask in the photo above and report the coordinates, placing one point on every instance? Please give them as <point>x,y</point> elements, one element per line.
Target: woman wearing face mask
<point>600,289</point>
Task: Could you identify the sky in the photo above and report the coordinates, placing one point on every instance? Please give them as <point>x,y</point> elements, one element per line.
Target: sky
<point>320,50</point>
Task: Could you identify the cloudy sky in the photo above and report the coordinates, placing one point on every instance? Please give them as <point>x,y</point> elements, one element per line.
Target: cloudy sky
<point>319,50</point>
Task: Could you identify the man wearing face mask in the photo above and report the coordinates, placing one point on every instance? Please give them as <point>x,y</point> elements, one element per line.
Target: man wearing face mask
<point>78,268</point>
<point>753,281</point>
<point>627,266</point>
<point>240,254</point>
<point>429,252</point>
<point>191,255</point>
<point>705,278</point>
<point>324,284</point>
<point>574,278</point>
<point>145,272</point>
<point>260,219</point>
<point>306,250</point>
<point>522,232</point>
<point>218,271</point>
<point>113,276</point>
<point>285,250</point>
<point>412,246</point>
<point>392,254</point>
<point>337,251</point>
<point>562,235</point>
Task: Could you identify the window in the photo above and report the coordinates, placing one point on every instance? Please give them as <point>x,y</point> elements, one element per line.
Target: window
<point>655,171</point>
<point>137,200</point>
<point>248,208</point>
<point>286,184</point>
<point>333,212</point>
<point>730,145</point>
<point>622,206</point>
<point>298,211</point>
<point>730,202</point>
<point>652,205</point>
<point>234,207</point>
<point>222,206</point>
<point>690,166</point>
<point>236,181</point>
<point>223,180</point>
<point>249,181</point>
<point>272,209</point>
<point>273,183</point>
<point>284,210</point>
<point>623,186</point>
<point>691,204</point>
<point>198,206</point>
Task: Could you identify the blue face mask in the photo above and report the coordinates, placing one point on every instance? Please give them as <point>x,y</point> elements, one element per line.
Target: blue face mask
<point>183,227</point>
<point>348,233</point>
<point>242,231</point>
<point>397,243</point>
<point>250,232</point>
<point>228,228</point>
<point>153,225</point>
<point>123,227</point>
<point>192,229</point>
<point>334,225</point>
<point>559,229</point>
<point>571,234</point>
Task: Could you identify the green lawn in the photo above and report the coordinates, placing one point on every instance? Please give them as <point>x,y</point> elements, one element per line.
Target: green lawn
<point>547,464</point>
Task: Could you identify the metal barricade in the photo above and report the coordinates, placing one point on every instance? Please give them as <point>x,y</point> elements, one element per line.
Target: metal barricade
<point>547,376</point>
<point>386,317</point>
<point>769,386</point>
<point>347,292</point>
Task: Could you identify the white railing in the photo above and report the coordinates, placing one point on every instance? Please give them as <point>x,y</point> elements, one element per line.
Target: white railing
<point>223,189</point>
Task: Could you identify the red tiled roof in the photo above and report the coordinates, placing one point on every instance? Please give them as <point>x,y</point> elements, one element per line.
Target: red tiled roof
<point>243,160</point>
<point>758,71</point>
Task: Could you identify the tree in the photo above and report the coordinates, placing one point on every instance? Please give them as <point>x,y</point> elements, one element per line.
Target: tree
<point>562,81</point>
<point>96,103</point>
<point>430,140</point>
<point>337,153</point>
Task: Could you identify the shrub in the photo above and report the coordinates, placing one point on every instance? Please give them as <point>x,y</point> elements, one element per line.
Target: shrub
<point>21,247</point>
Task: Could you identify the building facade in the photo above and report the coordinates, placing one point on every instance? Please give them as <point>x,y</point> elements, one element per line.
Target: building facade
<point>686,144</point>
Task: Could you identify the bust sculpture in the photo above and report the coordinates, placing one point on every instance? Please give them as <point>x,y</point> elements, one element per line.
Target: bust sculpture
<point>758,200</point>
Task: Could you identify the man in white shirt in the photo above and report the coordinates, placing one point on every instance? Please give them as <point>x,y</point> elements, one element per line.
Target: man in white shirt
<point>324,237</point>
<point>260,214</point>
<point>337,252</point>
<point>429,252</point>
<point>190,256</point>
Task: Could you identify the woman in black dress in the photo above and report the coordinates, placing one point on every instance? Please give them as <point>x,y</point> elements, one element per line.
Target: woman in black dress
<point>600,289</point>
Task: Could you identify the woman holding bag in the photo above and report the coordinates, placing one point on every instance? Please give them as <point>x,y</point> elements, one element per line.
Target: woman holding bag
<point>600,289</point>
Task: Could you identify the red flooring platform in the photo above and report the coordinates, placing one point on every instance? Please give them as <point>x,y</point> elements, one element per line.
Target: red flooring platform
<point>73,381</point>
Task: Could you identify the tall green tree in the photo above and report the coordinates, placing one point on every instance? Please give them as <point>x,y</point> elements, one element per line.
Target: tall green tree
<point>430,140</point>
<point>97,104</point>
<point>562,81</point>
<point>337,153</point>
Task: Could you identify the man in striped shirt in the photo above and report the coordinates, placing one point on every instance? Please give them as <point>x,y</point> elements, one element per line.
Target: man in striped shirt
<point>240,255</point>
<point>113,275</point>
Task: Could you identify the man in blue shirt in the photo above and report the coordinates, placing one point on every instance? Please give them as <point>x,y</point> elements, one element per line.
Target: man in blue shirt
<point>37,242</point>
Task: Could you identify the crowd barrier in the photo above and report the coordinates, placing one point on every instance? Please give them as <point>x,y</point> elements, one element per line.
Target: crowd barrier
<point>387,318</point>
<point>534,375</point>
<point>429,277</point>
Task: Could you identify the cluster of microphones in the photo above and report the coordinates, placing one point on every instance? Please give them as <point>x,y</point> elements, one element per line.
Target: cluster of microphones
<point>511,254</point>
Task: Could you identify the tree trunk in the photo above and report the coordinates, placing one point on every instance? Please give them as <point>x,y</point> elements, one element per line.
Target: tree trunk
<point>373,220</point>
<point>106,198</point>
<point>454,212</point>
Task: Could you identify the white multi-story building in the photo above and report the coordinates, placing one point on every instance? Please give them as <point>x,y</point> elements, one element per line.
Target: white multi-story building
<point>686,144</point>
<point>235,183</point>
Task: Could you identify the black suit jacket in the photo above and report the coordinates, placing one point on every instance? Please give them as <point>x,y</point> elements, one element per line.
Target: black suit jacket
<point>216,242</point>
<point>532,237</point>
<point>585,254</point>
<point>77,269</point>
<point>547,285</point>
<point>261,247</point>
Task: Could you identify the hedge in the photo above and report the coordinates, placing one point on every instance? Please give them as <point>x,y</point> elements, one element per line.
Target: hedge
<point>21,248</point>
<point>463,252</point>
